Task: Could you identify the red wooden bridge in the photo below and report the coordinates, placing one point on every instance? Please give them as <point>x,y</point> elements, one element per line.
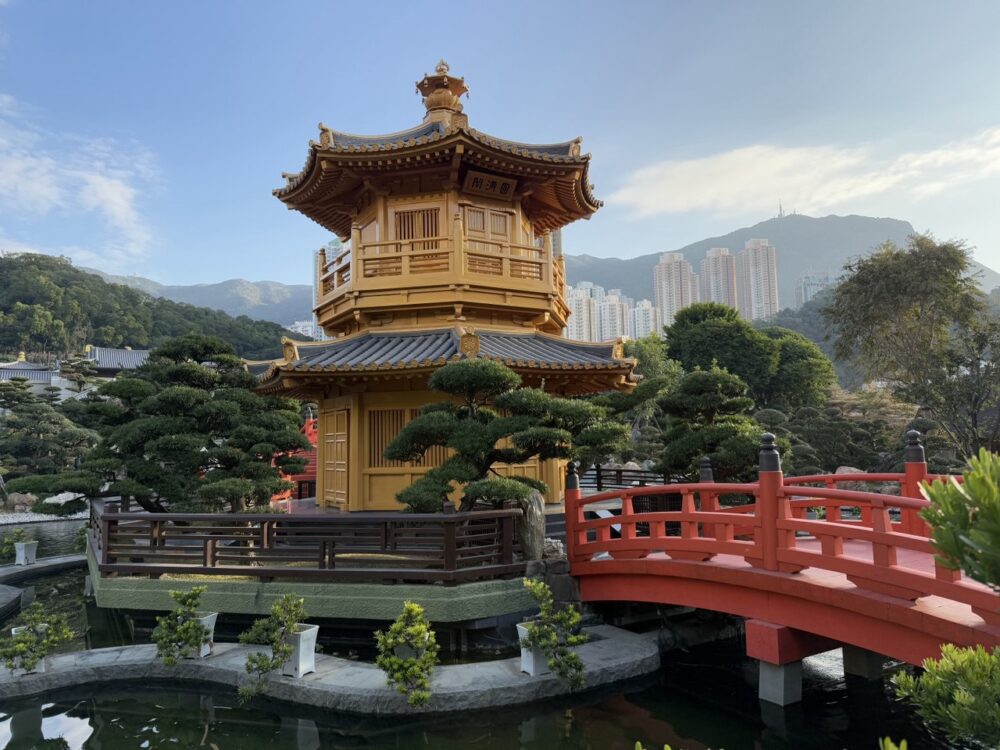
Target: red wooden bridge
<point>812,566</point>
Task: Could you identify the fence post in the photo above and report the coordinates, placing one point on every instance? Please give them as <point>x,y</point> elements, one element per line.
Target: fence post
<point>771,484</point>
<point>915,472</point>
<point>571,506</point>
<point>705,473</point>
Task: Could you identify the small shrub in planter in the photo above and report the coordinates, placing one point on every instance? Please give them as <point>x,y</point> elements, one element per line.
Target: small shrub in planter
<point>18,547</point>
<point>184,632</point>
<point>292,642</point>
<point>36,634</point>
<point>407,653</point>
<point>14,536</point>
<point>552,634</point>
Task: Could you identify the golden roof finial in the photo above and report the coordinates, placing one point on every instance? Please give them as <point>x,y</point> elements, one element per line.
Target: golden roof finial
<point>442,91</point>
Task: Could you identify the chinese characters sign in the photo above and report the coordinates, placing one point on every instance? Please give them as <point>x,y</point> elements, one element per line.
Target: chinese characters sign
<point>481,183</point>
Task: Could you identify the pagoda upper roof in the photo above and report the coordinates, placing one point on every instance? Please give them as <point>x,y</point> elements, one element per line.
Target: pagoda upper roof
<point>340,165</point>
<point>372,352</point>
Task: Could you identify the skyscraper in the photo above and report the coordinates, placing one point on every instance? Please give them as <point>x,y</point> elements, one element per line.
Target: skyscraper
<point>646,319</point>
<point>718,277</point>
<point>675,285</point>
<point>757,280</point>
<point>584,320</point>
<point>616,318</point>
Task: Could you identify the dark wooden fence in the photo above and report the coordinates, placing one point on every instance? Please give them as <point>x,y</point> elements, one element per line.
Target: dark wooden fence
<point>598,479</point>
<point>379,547</point>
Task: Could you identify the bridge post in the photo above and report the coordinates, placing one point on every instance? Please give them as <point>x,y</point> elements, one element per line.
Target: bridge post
<point>860,662</point>
<point>915,472</point>
<point>571,508</point>
<point>771,482</point>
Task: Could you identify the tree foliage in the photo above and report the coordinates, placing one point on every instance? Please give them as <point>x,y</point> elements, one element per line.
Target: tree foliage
<point>186,430</point>
<point>709,415</point>
<point>959,693</point>
<point>34,437</point>
<point>47,305</point>
<point>408,653</point>
<point>492,420</point>
<point>780,367</point>
<point>809,321</point>
<point>913,318</point>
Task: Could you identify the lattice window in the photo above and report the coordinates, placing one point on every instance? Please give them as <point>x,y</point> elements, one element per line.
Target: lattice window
<point>499,225</point>
<point>383,426</point>
<point>475,220</point>
<point>418,225</point>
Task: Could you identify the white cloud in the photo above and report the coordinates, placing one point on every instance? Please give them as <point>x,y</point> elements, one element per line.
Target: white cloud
<point>63,176</point>
<point>810,178</point>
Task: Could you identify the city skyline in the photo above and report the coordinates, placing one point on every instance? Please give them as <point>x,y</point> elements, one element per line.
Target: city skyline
<point>747,282</point>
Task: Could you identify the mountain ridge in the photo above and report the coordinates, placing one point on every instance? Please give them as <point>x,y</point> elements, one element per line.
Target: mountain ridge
<point>804,244</point>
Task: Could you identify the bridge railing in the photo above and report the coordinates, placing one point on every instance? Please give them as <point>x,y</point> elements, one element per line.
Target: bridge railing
<point>877,540</point>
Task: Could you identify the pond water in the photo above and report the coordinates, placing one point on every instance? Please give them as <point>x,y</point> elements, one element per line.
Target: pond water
<point>54,537</point>
<point>699,700</point>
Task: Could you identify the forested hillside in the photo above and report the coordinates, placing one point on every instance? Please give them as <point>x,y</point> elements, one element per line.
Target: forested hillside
<point>48,305</point>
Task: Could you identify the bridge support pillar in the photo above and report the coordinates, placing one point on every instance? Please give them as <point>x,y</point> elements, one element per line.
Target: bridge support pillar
<point>861,662</point>
<point>780,684</point>
<point>780,650</point>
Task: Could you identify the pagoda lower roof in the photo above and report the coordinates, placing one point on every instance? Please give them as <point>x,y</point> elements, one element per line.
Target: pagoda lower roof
<point>374,352</point>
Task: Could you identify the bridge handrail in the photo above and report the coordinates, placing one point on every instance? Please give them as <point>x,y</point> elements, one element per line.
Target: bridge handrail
<point>766,532</point>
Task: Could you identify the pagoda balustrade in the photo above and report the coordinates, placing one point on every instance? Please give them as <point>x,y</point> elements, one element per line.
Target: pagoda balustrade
<point>436,260</point>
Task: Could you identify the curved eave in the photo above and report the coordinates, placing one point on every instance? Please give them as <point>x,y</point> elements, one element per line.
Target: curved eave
<point>320,176</point>
<point>588,378</point>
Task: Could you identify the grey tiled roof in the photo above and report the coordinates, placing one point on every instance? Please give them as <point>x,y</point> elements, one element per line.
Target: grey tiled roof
<point>424,130</point>
<point>21,365</point>
<point>373,351</point>
<point>32,376</point>
<point>117,359</point>
<point>258,368</point>
<point>533,347</point>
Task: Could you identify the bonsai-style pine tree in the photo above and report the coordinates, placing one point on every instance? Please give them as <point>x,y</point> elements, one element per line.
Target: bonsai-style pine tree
<point>186,430</point>
<point>492,420</point>
<point>34,437</point>
<point>709,415</point>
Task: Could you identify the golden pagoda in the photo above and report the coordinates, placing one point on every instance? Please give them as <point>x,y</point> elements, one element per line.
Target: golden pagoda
<point>448,254</point>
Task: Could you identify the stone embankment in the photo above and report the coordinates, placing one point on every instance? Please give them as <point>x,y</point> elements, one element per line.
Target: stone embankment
<point>612,655</point>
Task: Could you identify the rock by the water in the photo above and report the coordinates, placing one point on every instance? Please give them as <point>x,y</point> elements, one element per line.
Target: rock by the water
<point>62,498</point>
<point>531,526</point>
<point>553,548</point>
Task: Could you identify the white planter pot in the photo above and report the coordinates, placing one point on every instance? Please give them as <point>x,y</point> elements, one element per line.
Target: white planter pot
<point>40,666</point>
<point>207,619</point>
<point>533,661</point>
<point>303,658</point>
<point>24,553</point>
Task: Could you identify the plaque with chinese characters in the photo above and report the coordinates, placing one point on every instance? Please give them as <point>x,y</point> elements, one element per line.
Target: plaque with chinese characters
<point>481,183</point>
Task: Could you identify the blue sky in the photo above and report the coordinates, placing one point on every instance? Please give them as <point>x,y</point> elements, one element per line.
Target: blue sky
<point>146,137</point>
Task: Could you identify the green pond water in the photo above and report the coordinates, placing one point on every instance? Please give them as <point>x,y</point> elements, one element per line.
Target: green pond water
<point>702,698</point>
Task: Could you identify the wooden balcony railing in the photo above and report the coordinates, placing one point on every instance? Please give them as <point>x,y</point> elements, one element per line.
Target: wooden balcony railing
<point>443,548</point>
<point>378,265</point>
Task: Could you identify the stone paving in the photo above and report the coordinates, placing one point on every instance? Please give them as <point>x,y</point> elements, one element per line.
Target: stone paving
<point>338,684</point>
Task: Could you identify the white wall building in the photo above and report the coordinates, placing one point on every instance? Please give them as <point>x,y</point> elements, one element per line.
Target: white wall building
<point>757,280</point>
<point>718,277</point>
<point>675,285</point>
<point>646,319</point>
